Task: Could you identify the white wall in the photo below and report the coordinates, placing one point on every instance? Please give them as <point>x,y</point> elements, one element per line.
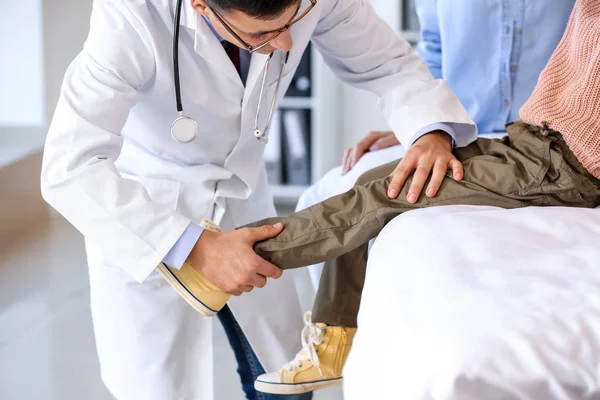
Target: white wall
<point>38,40</point>
<point>66,26</point>
<point>359,111</point>
<point>21,71</point>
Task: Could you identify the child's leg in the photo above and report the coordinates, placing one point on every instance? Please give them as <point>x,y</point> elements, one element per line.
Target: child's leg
<point>527,168</point>
<point>524,169</point>
<point>352,266</point>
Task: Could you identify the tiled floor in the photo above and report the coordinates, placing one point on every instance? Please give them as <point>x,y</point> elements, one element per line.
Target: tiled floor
<point>46,342</point>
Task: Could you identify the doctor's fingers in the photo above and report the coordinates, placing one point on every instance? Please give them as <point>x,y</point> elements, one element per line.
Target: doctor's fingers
<point>401,173</point>
<point>251,279</point>
<point>246,289</point>
<point>437,177</point>
<point>260,281</point>
<point>266,269</point>
<point>457,169</point>
<point>262,232</point>
<point>418,182</point>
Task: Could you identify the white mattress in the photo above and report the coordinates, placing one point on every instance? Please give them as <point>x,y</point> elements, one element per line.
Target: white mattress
<point>477,303</point>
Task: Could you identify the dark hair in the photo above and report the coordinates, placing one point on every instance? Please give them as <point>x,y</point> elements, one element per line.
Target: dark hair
<point>261,9</point>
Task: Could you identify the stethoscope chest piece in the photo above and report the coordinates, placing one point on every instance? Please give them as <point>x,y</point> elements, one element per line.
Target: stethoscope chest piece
<point>184,129</point>
<point>261,136</point>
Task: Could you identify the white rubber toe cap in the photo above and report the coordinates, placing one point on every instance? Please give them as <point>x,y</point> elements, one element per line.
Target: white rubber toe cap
<point>272,377</point>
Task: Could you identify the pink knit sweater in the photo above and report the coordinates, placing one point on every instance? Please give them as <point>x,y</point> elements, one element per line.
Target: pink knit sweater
<point>567,96</point>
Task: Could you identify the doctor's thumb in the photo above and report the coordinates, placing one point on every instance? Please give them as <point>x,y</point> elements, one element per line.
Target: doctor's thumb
<point>266,232</point>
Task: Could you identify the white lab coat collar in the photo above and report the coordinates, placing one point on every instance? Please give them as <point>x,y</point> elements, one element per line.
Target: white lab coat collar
<point>206,43</point>
<point>188,15</point>
<point>208,46</point>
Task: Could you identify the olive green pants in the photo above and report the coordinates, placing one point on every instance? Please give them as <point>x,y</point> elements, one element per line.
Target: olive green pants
<point>529,167</point>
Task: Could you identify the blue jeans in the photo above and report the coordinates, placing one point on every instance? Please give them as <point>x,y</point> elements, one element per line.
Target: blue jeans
<point>249,367</point>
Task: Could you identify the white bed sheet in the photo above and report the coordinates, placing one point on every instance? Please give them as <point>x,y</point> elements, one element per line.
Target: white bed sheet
<point>477,303</point>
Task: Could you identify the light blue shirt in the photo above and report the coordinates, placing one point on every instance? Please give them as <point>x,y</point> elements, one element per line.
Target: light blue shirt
<point>491,52</point>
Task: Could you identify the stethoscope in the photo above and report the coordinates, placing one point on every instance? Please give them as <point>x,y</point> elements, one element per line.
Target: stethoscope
<point>185,129</point>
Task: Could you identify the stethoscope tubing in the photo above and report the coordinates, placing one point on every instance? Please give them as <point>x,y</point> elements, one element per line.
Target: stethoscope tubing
<point>262,136</point>
<point>176,56</point>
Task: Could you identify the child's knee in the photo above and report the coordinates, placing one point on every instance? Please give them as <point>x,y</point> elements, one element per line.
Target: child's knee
<point>377,173</point>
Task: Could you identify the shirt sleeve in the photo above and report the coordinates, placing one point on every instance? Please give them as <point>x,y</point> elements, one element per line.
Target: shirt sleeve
<point>430,46</point>
<point>180,251</point>
<point>450,128</point>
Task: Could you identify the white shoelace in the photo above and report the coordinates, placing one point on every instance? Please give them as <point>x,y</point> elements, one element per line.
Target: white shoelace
<point>311,335</point>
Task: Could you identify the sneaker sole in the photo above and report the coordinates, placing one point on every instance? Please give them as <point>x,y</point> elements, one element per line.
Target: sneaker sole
<point>186,294</point>
<point>295,388</point>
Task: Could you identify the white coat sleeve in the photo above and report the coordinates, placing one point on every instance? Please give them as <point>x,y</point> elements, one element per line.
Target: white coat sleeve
<point>364,51</point>
<point>79,177</point>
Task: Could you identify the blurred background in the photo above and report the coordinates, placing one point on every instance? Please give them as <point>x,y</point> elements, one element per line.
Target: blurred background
<point>46,341</point>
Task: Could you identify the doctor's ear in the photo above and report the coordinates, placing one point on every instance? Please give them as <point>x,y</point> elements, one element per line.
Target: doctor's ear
<point>200,6</point>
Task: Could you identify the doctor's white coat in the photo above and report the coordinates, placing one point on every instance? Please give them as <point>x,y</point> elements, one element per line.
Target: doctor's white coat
<point>111,168</point>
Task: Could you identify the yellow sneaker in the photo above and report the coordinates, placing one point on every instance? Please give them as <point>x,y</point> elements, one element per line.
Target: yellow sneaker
<point>193,285</point>
<point>318,365</point>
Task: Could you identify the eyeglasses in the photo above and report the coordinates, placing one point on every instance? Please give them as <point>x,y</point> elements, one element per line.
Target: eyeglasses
<point>274,34</point>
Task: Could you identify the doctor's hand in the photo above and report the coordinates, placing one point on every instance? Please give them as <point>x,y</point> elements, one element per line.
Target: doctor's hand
<point>228,259</point>
<point>375,140</point>
<point>431,155</point>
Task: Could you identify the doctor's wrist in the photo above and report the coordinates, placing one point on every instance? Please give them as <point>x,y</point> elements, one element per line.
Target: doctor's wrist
<point>201,249</point>
<point>435,138</point>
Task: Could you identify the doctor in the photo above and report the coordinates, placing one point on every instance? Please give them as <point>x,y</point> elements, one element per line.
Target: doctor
<point>160,125</point>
